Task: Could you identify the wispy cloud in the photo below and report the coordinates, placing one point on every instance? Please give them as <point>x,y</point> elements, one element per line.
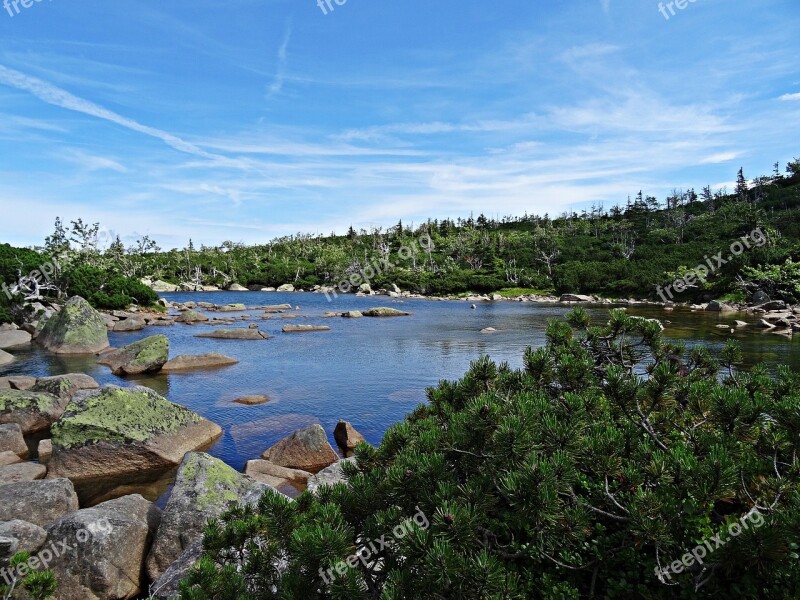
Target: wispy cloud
<point>790,97</point>
<point>280,75</point>
<point>606,4</point>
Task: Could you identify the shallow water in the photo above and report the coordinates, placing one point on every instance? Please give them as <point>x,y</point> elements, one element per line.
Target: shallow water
<point>371,372</point>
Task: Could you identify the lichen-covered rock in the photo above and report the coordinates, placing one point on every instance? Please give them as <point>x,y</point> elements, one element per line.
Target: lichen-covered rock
<point>65,386</point>
<point>25,471</point>
<point>38,502</point>
<point>26,537</point>
<point>204,488</point>
<point>11,440</point>
<point>145,356</point>
<point>235,334</point>
<point>191,316</point>
<point>76,329</point>
<point>32,411</point>
<point>108,547</point>
<point>198,361</point>
<point>382,311</point>
<point>110,437</point>
<point>306,449</point>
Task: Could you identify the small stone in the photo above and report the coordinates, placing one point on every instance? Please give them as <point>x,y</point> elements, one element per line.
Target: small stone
<point>346,435</point>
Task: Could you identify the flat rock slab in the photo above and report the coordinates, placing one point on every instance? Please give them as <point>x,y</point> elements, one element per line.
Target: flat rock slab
<point>252,400</point>
<point>14,339</point>
<point>26,471</point>
<point>232,308</point>
<point>291,482</point>
<point>304,328</point>
<point>6,358</point>
<point>191,316</point>
<point>198,361</point>
<point>383,311</point>
<point>17,382</point>
<point>39,502</point>
<point>235,334</point>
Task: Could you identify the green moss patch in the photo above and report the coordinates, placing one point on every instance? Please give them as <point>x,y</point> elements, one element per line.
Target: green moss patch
<point>119,415</point>
<point>222,483</point>
<point>11,400</point>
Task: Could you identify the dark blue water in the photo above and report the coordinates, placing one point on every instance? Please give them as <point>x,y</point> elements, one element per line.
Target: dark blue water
<point>371,372</point>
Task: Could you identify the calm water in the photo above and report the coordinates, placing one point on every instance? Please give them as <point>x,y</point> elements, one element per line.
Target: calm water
<point>371,372</point>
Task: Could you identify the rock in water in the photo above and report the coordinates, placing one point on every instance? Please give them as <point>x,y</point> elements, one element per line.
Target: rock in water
<point>235,334</point>
<point>6,358</point>
<point>14,339</point>
<point>199,361</point>
<point>383,311</point>
<point>307,449</point>
<point>191,316</point>
<point>204,488</point>
<point>145,356</point>
<point>130,324</point>
<point>113,437</point>
<point>32,411</point>
<point>75,329</point>
<point>304,328</point>
<point>346,435</point>
<point>108,546</point>
<point>38,502</point>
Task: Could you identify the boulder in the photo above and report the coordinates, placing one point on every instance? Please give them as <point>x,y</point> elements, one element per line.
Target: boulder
<point>17,382</point>
<point>252,400</point>
<point>108,545</point>
<point>329,476</point>
<point>287,287</point>
<point>306,449</point>
<point>65,386</point>
<point>44,451</point>
<point>32,411</point>
<point>39,502</point>
<point>353,314</point>
<point>764,324</point>
<point>575,298</point>
<point>24,471</point>
<point>199,361</point>
<point>191,316</point>
<point>235,334</point>
<point>759,297</point>
<point>75,329</point>
<point>235,287</point>
<point>26,537</point>
<point>304,328</point>
<point>773,305</point>
<point>135,324</point>
<point>167,587</point>
<point>717,306</point>
<point>14,339</point>
<point>383,311</point>
<point>145,356</point>
<point>291,482</point>
<point>275,307</point>
<point>109,438</point>
<point>9,458</point>
<point>205,487</point>
<point>346,435</point>
<point>365,288</point>
<point>6,358</point>
<point>11,440</point>
<point>232,308</point>
<point>159,286</point>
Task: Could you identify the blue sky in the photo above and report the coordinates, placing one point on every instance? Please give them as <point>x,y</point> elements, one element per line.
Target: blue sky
<point>248,119</point>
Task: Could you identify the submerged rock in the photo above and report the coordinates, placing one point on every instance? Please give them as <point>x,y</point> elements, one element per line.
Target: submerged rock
<point>307,449</point>
<point>145,356</point>
<point>75,329</point>
<point>107,438</point>
<point>252,400</point>
<point>198,361</point>
<point>204,488</point>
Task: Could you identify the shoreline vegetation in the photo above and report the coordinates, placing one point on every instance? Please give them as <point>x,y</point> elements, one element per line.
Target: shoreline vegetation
<point>643,249</point>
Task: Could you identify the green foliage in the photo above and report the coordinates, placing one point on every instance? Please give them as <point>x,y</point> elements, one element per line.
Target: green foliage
<point>610,454</point>
<point>781,281</point>
<point>107,289</point>
<point>36,584</point>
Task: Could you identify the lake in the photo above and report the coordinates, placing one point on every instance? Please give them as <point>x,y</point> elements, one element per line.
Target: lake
<point>371,372</point>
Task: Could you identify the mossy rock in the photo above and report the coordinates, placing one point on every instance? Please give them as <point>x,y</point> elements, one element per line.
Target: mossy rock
<point>76,329</point>
<point>121,415</point>
<point>32,411</point>
<point>145,356</point>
